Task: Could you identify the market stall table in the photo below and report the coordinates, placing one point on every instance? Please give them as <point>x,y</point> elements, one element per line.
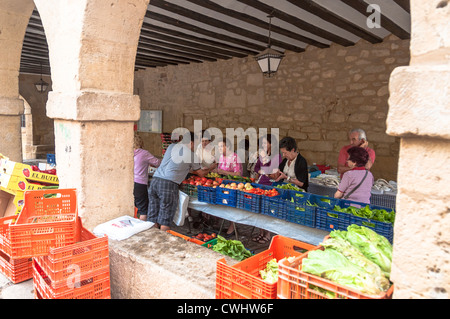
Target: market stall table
<point>278,226</point>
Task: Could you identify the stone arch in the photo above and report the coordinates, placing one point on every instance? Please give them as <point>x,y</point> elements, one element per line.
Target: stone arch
<point>92,48</point>
<point>14,15</point>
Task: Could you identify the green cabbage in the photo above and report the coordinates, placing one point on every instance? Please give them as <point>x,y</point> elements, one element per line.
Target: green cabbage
<point>270,273</point>
<point>357,257</point>
<point>332,265</point>
<point>375,247</point>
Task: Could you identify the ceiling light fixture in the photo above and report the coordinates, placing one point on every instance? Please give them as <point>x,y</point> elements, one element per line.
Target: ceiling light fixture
<point>269,60</point>
<point>41,85</point>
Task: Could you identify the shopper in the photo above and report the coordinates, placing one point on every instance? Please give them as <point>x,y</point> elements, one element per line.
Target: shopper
<point>357,182</point>
<point>357,137</point>
<point>267,164</point>
<point>229,164</point>
<point>294,168</point>
<point>205,154</point>
<point>179,160</point>
<point>142,160</point>
<point>266,168</point>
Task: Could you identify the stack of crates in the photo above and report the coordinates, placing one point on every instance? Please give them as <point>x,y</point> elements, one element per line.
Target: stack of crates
<point>48,237</point>
<point>243,280</point>
<point>166,140</point>
<point>77,271</point>
<point>16,178</point>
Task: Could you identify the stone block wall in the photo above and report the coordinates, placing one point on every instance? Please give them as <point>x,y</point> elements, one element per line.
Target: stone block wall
<point>316,97</point>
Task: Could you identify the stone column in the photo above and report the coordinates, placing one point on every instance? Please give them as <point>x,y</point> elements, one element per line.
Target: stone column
<point>420,114</point>
<point>92,50</point>
<point>94,151</point>
<point>11,136</point>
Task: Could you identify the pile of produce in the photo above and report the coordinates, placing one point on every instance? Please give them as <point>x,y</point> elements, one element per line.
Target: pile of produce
<point>290,187</point>
<point>201,181</point>
<point>380,215</point>
<point>270,273</point>
<point>357,258</point>
<point>232,248</point>
<point>205,237</point>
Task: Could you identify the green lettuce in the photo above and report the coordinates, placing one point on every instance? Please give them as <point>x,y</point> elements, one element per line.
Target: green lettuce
<point>375,247</point>
<point>357,257</point>
<point>334,266</point>
<point>232,248</point>
<point>270,273</point>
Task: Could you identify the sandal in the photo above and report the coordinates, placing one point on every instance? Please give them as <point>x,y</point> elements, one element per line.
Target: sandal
<point>257,238</point>
<point>264,240</point>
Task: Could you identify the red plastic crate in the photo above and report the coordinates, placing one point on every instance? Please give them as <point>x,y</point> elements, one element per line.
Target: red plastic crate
<point>16,270</point>
<point>88,255</point>
<point>243,281</point>
<point>48,219</point>
<point>296,284</point>
<point>97,286</point>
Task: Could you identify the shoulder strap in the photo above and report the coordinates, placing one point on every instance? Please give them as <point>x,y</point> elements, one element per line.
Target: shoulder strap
<point>357,186</point>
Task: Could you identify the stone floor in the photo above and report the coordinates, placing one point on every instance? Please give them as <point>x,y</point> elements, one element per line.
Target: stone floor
<point>245,233</point>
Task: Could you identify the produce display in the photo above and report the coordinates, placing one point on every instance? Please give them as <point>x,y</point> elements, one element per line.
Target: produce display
<point>380,215</point>
<point>290,186</point>
<point>232,248</point>
<point>202,181</point>
<point>357,258</point>
<point>205,237</point>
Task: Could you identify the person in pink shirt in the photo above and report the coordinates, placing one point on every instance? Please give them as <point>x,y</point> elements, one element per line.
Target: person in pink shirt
<point>142,160</point>
<point>357,182</point>
<point>229,164</point>
<point>357,137</point>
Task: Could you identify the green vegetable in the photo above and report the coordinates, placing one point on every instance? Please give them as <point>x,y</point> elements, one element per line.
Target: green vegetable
<point>232,248</point>
<point>357,258</point>
<point>290,186</point>
<point>270,273</point>
<point>380,215</point>
<point>375,247</point>
<point>332,265</point>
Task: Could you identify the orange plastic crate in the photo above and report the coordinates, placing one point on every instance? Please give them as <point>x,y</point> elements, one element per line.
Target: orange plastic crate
<point>16,270</point>
<point>97,286</point>
<point>187,238</point>
<point>296,284</point>
<point>243,281</point>
<point>44,222</point>
<point>88,255</point>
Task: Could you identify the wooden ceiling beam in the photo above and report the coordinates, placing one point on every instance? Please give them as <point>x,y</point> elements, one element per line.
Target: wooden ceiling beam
<point>177,48</point>
<point>202,43</point>
<point>335,19</point>
<point>257,22</point>
<point>361,6</point>
<point>221,25</point>
<point>313,29</point>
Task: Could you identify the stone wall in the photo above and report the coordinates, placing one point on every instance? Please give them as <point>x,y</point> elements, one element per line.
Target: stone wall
<point>316,97</point>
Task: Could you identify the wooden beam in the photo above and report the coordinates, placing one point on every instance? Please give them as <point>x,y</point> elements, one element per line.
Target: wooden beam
<point>361,6</point>
<point>196,54</point>
<point>221,25</point>
<point>257,22</point>
<point>178,53</point>
<point>404,4</point>
<point>313,29</point>
<point>202,43</point>
<point>336,19</point>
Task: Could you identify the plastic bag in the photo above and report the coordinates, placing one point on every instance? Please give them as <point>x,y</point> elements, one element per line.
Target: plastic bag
<point>180,214</point>
<point>122,227</point>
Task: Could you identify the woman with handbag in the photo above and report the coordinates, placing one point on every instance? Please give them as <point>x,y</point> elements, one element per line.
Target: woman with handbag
<point>356,183</point>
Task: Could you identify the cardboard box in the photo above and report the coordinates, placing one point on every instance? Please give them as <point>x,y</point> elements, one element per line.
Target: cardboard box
<point>17,183</point>
<point>25,171</point>
<point>7,206</point>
